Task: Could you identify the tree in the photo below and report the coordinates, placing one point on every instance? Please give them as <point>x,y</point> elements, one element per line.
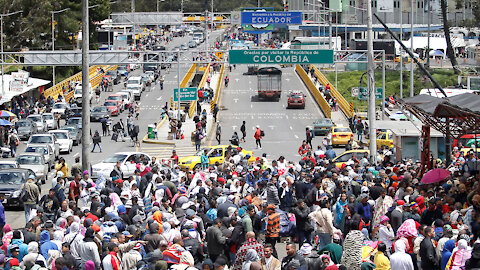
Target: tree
<point>446,31</point>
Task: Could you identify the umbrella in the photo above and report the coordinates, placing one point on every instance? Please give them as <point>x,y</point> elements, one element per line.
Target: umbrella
<point>4,122</point>
<point>435,175</point>
<point>436,53</point>
<point>6,114</point>
<point>471,142</point>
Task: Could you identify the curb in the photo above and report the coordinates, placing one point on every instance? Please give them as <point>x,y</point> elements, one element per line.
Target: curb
<point>146,140</point>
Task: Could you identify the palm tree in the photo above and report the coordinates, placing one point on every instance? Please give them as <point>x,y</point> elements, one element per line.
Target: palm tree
<point>446,31</point>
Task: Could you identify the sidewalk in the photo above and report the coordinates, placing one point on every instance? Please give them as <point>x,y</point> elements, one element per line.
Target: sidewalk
<point>188,126</point>
<point>337,116</point>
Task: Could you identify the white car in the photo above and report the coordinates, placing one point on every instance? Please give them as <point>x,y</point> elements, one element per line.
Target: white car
<point>128,99</point>
<point>128,161</point>
<point>133,64</point>
<point>65,143</point>
<point>46,138</point>
<point>39,122</point>
<point>136,81</point>
<point>60,108</point>
<point>135,90</point>
<point>77,95</point>
<point>34,162</point>
<point>50,120</point>
<point>8,164</point>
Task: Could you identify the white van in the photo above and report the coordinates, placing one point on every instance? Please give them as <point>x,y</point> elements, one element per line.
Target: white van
<point>77,95</point>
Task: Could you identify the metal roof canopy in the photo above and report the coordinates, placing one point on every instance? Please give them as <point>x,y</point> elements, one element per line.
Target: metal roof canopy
<point>455,116</point>
<point>120,57</point>
<point>101,57</point>
<point>147,18</point>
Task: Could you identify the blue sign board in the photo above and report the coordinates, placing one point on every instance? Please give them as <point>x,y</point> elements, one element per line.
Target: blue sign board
<point>271,17</point>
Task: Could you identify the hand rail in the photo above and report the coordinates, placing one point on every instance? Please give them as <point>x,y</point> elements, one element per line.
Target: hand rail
<point>327,111</point>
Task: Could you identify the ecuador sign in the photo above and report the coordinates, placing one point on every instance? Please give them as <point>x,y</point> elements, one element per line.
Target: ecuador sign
<point>281,56</point>
<point>271,17</point>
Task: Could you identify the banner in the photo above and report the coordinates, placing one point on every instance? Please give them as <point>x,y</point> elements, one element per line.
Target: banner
<point>276,17</point>
<point>336,5</point>
<point>385,6</point>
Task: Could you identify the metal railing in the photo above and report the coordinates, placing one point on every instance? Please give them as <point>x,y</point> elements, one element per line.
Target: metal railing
<point>327,111</point>
<point>55,90</point>
<point>219,88</point>
<point>342,102</point>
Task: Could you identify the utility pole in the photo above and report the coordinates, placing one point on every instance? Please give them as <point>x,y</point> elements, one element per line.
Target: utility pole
<point>401,50</point>
<point>1,40</point>
<point>371,88</point>
<point>411,49</point>
<point>133,26</point>
<point>428,37</point>
<point>53,38</point>
<point>85,89</point>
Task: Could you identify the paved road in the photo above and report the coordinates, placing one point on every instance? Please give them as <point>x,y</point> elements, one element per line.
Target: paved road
<point>151,103</point>
<point>284,128</point>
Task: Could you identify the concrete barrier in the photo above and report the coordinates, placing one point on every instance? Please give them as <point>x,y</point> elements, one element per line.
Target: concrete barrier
<point>346,107</point>
<point>327,111</point>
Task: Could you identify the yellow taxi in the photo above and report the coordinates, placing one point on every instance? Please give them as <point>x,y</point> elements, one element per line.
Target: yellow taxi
<point>215,154</point>
<point>466,151</point>
<point>341,135</point>
<point>347,155</point>
<point>385,138</point>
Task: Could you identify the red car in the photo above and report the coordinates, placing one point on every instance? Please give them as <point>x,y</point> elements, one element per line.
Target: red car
<point>113,106</point>
<point>296,100</point>
<point>116,97</point>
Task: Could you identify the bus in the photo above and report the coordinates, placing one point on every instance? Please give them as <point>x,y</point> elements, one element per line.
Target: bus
<point>315,43</point>
<point>269,83</point>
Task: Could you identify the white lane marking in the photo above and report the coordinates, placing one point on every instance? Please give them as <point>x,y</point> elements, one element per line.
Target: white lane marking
<point>287,79</point>
<point>291,128</point>
<point>160,98</point>
<point>286,116</point>
<point>296,137</point>
<point>237,79</point>
<point>251,106</point>
<point>234,127</point>
<point>252,117</point>
<point>271,127</point>
<point>236,100</point>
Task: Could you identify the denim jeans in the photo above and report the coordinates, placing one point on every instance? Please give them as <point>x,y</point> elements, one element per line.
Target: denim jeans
<point>28,208</point>
<point>303,237</point>
<point>324,239</point>
<point>95,144</point>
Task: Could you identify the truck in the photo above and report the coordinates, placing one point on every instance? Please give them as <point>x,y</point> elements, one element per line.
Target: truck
<point>269,83</point>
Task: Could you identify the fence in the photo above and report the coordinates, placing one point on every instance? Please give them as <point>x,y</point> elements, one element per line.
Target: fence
<point>342,102</point>
<point>327,111</point>
<point>57,89</point>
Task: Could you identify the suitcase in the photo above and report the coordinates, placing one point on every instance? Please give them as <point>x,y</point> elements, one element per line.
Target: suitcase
<point>115,136</point>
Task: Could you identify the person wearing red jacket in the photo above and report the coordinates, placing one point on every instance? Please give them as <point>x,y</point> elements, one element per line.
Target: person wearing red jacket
<point>258,137</point>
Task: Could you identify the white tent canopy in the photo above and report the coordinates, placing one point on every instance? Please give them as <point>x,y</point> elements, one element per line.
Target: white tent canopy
<point>9,93</point>
<point>436,43</point>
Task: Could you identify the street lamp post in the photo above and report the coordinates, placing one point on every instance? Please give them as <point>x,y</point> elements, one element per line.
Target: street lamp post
<point>53,38</point>
<point>1,37</point>
<point>85,88</point>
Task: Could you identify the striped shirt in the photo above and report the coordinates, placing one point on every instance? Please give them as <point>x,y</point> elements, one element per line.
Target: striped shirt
<point>273,225</point>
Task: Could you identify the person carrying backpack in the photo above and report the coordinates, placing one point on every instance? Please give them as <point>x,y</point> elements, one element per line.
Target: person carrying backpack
<point>258,137</point>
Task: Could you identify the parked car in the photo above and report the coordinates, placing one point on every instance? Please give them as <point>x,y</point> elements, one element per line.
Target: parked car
<point>11,184</point>
<point>25,128</point>
<point>8,164</point>
<point>128,161</point>
<point>118,98</point>
<point>192,44</point>
<point>322,126</point>
<point>75,121</point>
<point>46,138</point>
<point>39,122</point>
<point>99,112</point>
<point>123,71</point>
<point>61,108</point>
<point>128,99</point>
<point>65,143</point>
<point>74,132</point>
<point>75,112</point>
<point>114,77</point>
<point>36,163</point>
<point>46,150</point>
<point>113,106</point>
<point>50,120</point>
<point>184,47</point>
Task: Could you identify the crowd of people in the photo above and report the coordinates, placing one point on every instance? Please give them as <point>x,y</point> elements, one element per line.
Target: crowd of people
<point>240,213</point>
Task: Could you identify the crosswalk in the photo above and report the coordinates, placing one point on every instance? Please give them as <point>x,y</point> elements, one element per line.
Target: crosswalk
<point>165,151</point>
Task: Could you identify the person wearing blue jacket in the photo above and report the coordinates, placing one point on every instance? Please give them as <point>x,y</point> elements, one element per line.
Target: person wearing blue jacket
<point>23,248</point>
<point>447,253</point>
<point>204,160</point>
<point>46,244</point>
